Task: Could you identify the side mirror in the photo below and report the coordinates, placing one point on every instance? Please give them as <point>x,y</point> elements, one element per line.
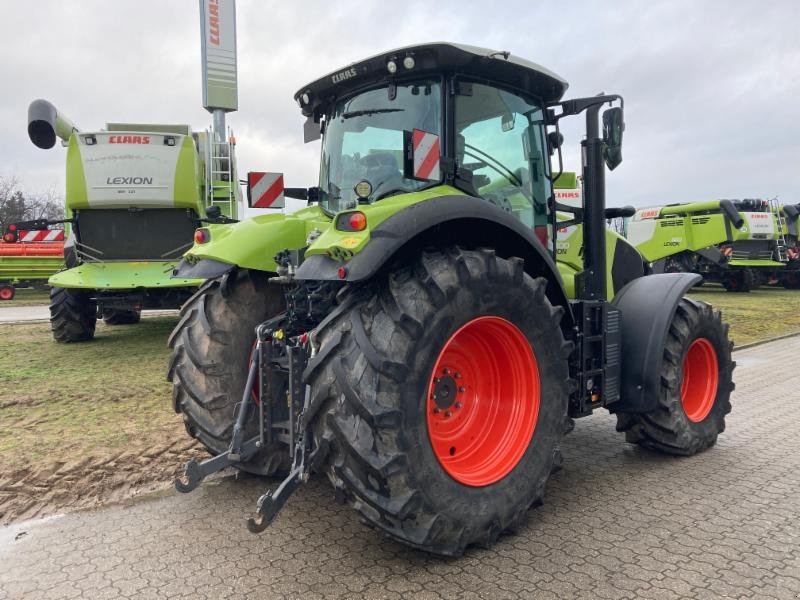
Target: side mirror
<point>613,126</point>
<point>507,122</point>
<point>265,190</point>
<point>421,155</point>
<point>554,141</point>
<point>213,211</point>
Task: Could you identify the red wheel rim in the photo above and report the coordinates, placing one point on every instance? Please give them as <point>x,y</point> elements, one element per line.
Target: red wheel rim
<point>483,401</point>
<point>5,293</point>
<point>700,380</point>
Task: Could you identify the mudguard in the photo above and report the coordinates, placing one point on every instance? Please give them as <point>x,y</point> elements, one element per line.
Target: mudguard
<point>647,306</point>
<point>449,219</point>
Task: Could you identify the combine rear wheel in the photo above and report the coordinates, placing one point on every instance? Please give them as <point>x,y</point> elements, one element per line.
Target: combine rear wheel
<point>696,384</point>
<point>210,355</point>
<point>121,317</point>
<point>445,396</point>
<point>739,280</point>
<point>73,315</point>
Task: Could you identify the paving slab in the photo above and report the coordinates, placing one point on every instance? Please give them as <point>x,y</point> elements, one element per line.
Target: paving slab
<point>618,522</point>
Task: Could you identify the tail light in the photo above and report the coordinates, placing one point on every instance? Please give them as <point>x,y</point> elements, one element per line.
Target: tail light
<point>202,235</point>
<point>352,221</point>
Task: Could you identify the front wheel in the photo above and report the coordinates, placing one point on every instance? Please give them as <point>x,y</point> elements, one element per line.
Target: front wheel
<point>73,315</point>
<point>696,384</point>
<point>7,292</point>
<point>445,396</point>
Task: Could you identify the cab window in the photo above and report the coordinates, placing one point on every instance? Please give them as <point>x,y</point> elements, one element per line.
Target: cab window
<point>500,141</point>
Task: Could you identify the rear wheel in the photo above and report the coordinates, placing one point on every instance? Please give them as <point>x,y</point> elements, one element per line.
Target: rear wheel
<point>738,280</point>
<point>696,384</point>
<point>113,316</point>
<point>7,292</point>
<point>791,280</point>
<point>210,357</point>
<point>73,315</point>
<point>445,396</point>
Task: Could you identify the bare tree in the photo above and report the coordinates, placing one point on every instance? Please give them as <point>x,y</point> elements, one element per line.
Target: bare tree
<point>16,206</point>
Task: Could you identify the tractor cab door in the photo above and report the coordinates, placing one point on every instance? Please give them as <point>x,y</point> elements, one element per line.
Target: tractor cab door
<point>501,147</point>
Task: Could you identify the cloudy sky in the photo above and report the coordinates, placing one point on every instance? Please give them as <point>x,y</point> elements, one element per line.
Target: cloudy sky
<point>711,88</point>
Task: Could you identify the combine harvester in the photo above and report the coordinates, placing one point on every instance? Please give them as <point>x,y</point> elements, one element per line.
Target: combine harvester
<point>738,243</point>
<point>135,195</point>
<point>28,258</point>
<point>416,334</point>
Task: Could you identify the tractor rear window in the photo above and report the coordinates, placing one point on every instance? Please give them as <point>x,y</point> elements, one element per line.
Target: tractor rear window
<point>364,141</point>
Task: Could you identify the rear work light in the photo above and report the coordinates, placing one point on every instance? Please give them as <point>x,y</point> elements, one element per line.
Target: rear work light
<point>352,221</point>
<point>9,238</point>
<point>202,236</point>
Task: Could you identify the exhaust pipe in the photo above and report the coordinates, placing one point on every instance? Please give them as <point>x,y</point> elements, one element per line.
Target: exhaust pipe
<point>45,123</point>
<point>730,211</point>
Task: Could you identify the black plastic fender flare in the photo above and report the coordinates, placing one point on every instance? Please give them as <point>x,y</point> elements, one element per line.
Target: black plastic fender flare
<point>647,306</point>
<point>487,224</point>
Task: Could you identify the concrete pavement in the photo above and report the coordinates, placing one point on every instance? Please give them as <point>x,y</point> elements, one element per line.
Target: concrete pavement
<point>618,522</point>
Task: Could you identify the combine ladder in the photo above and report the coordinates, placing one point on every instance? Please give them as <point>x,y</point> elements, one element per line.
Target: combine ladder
<point>220,175</point>
<point>781,247</point>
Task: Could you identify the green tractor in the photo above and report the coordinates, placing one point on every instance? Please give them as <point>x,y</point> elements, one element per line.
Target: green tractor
<point>135,195</point>
<point>738,243</point>
<point>414,334</point>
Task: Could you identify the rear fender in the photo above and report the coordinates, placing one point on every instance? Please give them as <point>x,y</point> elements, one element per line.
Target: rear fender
<point>443,221</point>
<point>647,306</point>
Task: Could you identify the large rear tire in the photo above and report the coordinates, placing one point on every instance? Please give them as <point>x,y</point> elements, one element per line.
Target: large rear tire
<point>121,317</point>
<point>738,280</point>
<point>405,368</point>
<point>73,315</point>
<point>210,356</point>
<point>696,384</point>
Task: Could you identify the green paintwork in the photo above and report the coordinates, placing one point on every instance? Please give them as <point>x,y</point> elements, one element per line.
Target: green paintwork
<point>740,263</point>
<point>185,189</point>
<point>569,259</point>
<point>671,235</point>
<point>121,276</point>
<point>28,268</point>
<point>77,196</point>
<point>253,243</point>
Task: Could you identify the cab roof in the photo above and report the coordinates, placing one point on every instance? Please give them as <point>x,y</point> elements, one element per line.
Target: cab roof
<point>496,66</point>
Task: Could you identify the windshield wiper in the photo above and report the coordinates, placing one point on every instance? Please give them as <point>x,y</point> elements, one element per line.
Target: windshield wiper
<point>370,111</point>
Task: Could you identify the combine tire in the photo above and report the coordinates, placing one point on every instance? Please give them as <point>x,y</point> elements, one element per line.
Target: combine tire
<point>121,317</point>
<point>696,384</point>
<point>444,389</point>
<point>210,355</point>
<point>7,292</point>
<point>791,281</point>
<point>738,281</point>
<point>73,315</point>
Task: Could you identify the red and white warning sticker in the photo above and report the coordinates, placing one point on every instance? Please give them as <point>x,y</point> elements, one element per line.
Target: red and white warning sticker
<point>426,155</point>
<point>265,190</point>
<point>52,235</point>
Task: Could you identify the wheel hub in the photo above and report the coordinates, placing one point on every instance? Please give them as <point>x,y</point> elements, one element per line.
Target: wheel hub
<point>483,401</point>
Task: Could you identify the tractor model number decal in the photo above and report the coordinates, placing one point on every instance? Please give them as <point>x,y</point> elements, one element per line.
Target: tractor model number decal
<point>129,180</point>
<point>676,241</point>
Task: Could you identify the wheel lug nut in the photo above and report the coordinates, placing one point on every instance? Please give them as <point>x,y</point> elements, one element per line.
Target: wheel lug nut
<point>446,371</point>
<point>462,389</point>
<point>458,404</point>
<point>457,375</point>
<point>448,414</point>
<point>435,410</point>
<point>437,380</point>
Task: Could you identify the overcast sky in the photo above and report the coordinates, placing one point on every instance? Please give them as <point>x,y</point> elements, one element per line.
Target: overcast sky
<point>712,89</point>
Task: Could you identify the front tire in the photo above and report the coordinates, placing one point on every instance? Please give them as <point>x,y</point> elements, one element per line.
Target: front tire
<point>73,315</point>
<point>211,347</point>
<point>380,356</point>
<point>696,384</point>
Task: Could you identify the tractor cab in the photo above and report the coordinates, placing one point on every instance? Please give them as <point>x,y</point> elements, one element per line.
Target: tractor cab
<point>432,115</point>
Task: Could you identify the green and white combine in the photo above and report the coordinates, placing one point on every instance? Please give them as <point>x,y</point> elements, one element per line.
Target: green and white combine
<point>739,243</point>
<point>424,332</point>
<point>136,193</point>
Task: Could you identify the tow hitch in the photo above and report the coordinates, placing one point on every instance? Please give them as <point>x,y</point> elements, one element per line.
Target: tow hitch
<point>275,357</point>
